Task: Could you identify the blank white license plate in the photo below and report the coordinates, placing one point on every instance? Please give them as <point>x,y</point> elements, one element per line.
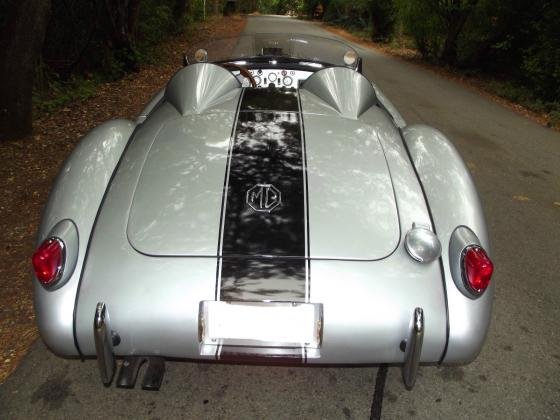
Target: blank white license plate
<point>265,324</point>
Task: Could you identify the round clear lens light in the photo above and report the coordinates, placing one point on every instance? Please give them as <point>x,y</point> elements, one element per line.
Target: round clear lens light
<point>201,55</point>
<point>422,244</point>
<point>350,58</point>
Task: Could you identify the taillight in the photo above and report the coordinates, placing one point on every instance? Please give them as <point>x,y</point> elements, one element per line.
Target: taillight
<point>48,261</point>
<point>477,269</point>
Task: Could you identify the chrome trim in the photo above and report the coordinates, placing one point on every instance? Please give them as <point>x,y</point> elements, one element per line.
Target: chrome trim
<point>104,344</point>
<point>462,239</point>
<point>413,349</point>
<point>422,244</point>
<point>60,268</point>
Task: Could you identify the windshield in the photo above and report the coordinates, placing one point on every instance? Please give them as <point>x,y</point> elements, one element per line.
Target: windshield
<point>288,47</point>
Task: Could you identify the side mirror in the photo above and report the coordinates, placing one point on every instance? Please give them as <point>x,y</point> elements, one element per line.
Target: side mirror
<point>201,56</point>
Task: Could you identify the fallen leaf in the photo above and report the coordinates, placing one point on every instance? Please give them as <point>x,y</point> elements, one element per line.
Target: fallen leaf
<point>521,198</point>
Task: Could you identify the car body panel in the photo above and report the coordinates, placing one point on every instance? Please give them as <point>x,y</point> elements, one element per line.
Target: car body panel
<point>151,298</point>
<point>351,195</point>
<point>150,106</point>
<point>453,202</point>
<point>76,196</point>
<point>361,311</point>
<point>389,107</point>
<point>349,92</point>
<point>177,203</point>
<point>266,196</point>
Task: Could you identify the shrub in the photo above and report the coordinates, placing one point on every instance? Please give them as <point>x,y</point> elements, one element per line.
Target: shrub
<point>423,25</point>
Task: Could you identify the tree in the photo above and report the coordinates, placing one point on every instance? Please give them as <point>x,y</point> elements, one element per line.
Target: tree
<point>382,18</point>
<point>21,39</point>
<point>216,7</point>
<point>454,14</point>
<point>180,10</point>
<point>119,18</point>
<point>436,25</point>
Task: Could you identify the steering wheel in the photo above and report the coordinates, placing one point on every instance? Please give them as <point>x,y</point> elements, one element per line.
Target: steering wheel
<point>242,70</point>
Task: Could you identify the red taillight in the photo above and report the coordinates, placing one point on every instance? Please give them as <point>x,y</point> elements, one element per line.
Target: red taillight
<point>48,261</point>
<point>477,269</point>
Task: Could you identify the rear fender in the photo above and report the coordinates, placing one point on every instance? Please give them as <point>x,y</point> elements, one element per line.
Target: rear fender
<point>76,196</point>
<point>453,202</point>
<point>154,102</point>
<point>389,107</point>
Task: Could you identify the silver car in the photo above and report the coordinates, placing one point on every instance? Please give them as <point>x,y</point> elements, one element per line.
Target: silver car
<point>269,205</point>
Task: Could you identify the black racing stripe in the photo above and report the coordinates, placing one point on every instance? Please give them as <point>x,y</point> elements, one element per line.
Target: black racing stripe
<point>308,254</point>
<point>224,190</point>
<point>270,100</point>
<point>263,235</point>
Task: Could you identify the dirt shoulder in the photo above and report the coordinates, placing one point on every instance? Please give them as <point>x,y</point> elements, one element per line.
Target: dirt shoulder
<point>29,166</point>
<point>478,84</point>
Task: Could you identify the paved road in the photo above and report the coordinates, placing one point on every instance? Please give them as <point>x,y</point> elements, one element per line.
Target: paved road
<point>516,166</point>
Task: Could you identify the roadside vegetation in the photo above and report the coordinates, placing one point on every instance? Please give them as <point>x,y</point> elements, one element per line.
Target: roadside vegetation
<point>511,46</point>
<point>30,163</point>
<point>53,52</point>
<point>88,43</point>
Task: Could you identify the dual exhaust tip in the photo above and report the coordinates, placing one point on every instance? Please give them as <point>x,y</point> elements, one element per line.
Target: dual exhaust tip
<point>128,373</point>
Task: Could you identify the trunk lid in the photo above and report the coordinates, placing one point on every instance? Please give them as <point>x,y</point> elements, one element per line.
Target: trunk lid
<point>327,195</point>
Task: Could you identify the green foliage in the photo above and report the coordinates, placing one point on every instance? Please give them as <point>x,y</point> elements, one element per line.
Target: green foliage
<point>516,42</point>
<point>197,11</point>
<point>383,17</point>
<point>354,15</point>
<point>155,23</point>
<point>541,59</point>
<point>554,116</point>
<point>61,93</point>
<point>78,54</point>
<point>422,24</point>
<point>280,7</point>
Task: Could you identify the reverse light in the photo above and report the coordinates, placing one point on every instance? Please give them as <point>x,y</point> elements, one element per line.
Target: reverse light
<point>48,261</point>
<point>477,269</point>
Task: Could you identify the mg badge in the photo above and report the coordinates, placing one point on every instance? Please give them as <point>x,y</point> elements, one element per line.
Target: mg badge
<point>264,197</point>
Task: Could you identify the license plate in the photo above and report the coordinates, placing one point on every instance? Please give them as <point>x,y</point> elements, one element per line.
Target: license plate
<point>265,324</point>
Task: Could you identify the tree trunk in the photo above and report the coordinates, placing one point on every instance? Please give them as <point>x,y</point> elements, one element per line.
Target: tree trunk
<point>179,11</point>
<point>449,52</point>
<point>382,18</point>
<point>121,17</point>
<point>133,11</point>
<point>21,41</point>
<point>455,16</point>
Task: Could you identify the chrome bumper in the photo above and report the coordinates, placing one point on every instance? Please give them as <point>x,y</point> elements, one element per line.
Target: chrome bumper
<point>104,344</point>
<point>413,349</point>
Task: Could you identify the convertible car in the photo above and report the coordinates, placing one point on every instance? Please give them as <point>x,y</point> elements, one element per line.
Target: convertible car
<point>269,205</point>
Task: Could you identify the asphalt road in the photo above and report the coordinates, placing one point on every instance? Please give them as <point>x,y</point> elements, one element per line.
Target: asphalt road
<point>516,166</point>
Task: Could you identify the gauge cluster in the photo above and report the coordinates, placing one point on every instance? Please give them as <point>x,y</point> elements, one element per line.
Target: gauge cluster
<point>276,77</point>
